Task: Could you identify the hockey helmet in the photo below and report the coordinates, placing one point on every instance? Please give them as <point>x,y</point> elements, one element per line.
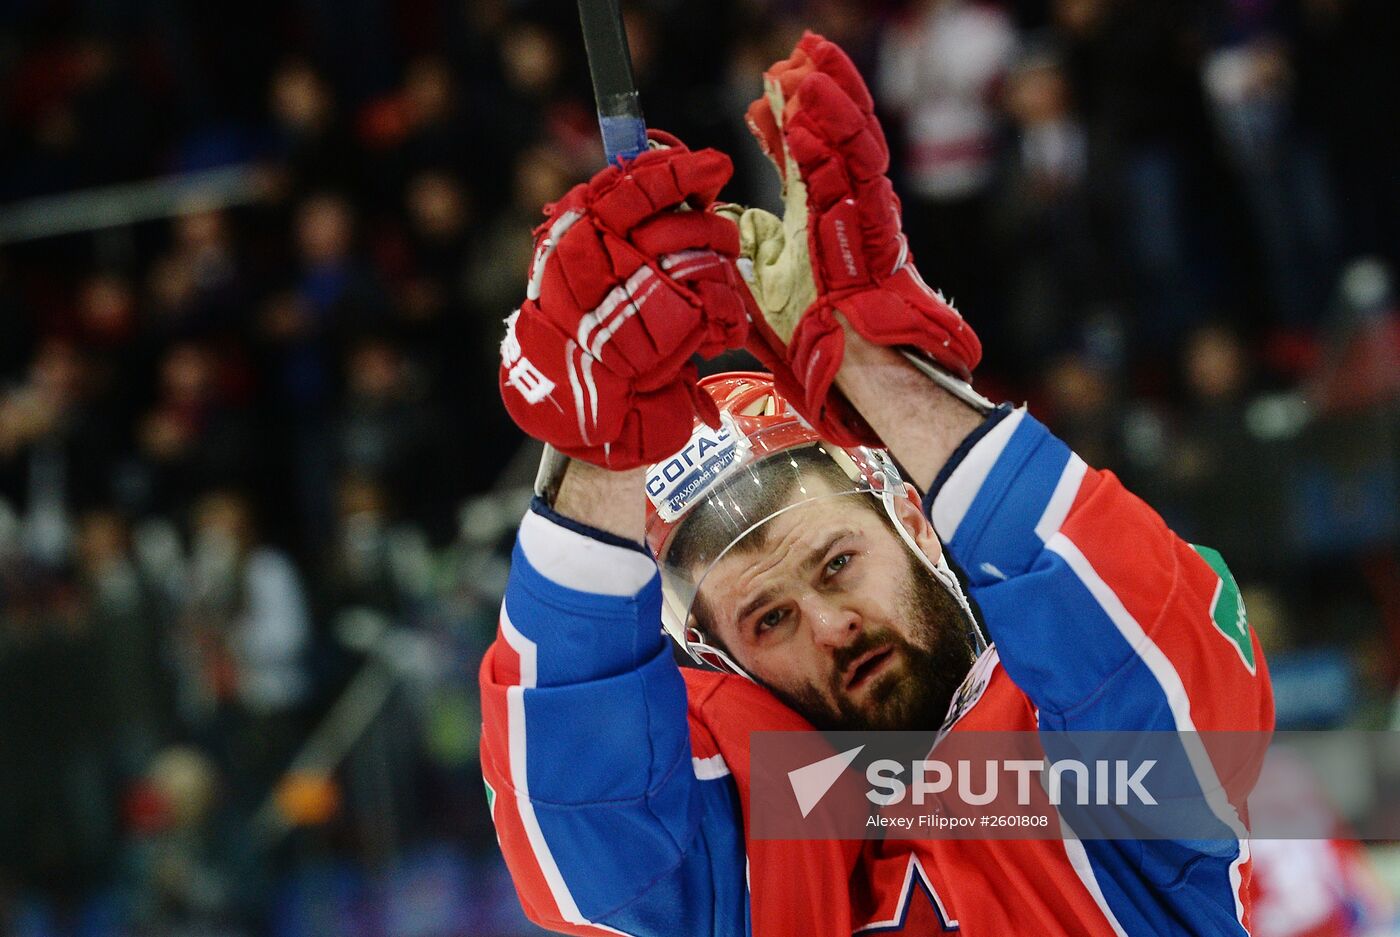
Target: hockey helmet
<point>727,482</point>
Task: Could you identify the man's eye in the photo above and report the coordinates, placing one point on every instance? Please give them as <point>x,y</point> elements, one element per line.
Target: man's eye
<point>837,564</point>
<point>771,619</point>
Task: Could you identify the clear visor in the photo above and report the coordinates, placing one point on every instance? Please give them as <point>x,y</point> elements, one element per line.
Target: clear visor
<point>752,493</point>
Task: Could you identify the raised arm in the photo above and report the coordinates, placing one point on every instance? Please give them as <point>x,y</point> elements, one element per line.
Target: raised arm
<point>1106,620</point>
<point>1100,613</point>
<point>604,500</point>
<point>586,749</point>
<point>920,423</point>
<point>1083,588</point>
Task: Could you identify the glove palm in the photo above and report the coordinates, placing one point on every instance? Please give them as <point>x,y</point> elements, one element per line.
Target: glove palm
<point>838,252</point>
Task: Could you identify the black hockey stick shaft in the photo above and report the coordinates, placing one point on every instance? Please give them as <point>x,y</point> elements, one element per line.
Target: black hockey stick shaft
<point>624,137</point>
<point>614,90</point>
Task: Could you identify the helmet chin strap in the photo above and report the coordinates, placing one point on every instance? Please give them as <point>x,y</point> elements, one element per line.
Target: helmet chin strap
<point>703,652</point>
<point>942,572</point>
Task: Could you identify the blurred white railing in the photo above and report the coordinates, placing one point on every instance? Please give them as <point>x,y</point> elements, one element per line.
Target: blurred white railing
<point>130,203</point>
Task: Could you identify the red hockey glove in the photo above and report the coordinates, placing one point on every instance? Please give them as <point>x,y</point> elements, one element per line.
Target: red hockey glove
<point>624,289</point>
<point>838,250</point>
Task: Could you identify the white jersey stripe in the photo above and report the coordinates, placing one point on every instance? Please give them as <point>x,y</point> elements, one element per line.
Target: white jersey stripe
<point>520,779</point>
<point>1177,701</point>
<point>1158,664</point>
<point>1066,489</point>
<point>1079,861</point>
<point>1049,525</point>
<point>960,490</point>
<point>1166,675</point>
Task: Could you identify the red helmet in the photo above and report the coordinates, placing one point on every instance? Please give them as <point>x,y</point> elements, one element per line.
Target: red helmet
<point>756,422</point>
<point>727,482</point>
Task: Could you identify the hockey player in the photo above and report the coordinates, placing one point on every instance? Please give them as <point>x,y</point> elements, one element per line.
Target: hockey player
<point>762,519</point>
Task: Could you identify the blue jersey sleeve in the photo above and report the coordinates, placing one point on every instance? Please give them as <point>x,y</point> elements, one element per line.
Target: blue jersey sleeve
<point>605,820</point>
<point>1109,622</point>
<point>1104,617</point>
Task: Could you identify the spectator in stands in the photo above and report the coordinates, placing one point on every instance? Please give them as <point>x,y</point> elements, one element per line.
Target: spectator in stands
<point>495,273</point>
<point>1045,228</point>
<point>941,72</point>
<point>387,431</point>
<point>196,288</point>
<point>85,111</point>
<point>198,435</point>
<point>438,130</point>
<point>336,295</point>
<point>1228,488</point>
<point>106,313</point>
<point>56,444</point>
<point>183,862</point>
<point>1085,405</point>
<point>439,210</point>
<point>243,633</point>
<point>1344,57</point>
<point>259,588</point>
<point>376,562</point>
<point>333,283</point>
<point>308,134</point>
<point>128,629</point>
<point>532,68</point>
<point>1132,70</point>
<point>430,258</point>
<point>1249,80</point>
<point>1361,369</point>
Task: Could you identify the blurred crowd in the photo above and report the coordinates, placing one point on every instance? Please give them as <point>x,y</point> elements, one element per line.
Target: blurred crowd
<point>251,455</point>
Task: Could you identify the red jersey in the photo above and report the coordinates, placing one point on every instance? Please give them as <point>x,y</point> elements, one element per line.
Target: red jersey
<point>621,787</point>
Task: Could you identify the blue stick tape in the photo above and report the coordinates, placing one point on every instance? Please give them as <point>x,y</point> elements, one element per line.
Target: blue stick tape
<point>623,137</point>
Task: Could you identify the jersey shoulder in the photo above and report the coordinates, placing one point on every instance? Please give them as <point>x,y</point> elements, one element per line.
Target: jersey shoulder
<point>730,705</point>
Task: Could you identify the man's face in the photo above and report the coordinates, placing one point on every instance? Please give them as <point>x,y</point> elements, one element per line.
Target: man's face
<point>832,613</point>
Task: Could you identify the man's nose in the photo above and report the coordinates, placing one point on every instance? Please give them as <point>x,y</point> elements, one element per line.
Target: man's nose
<point>833,624</point>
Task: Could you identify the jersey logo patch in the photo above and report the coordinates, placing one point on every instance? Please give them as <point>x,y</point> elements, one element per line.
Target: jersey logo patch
<point>1227,608</point>
<point>919,911</point>
<point>490,799</point>
<point>972,687</point>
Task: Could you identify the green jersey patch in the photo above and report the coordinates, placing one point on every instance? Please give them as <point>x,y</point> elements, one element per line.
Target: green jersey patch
<point>1227,608</point>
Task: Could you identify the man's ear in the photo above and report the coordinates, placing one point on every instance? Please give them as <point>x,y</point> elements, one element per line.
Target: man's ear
<point>910,511</point>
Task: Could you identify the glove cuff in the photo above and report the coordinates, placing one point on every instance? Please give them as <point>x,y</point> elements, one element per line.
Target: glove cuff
<point>817,349</point>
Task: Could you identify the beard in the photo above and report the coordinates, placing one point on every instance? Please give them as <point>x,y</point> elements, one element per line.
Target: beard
<point>937,656</point>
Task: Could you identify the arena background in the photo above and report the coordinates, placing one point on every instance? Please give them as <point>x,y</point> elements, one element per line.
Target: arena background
<point>257,489</point>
